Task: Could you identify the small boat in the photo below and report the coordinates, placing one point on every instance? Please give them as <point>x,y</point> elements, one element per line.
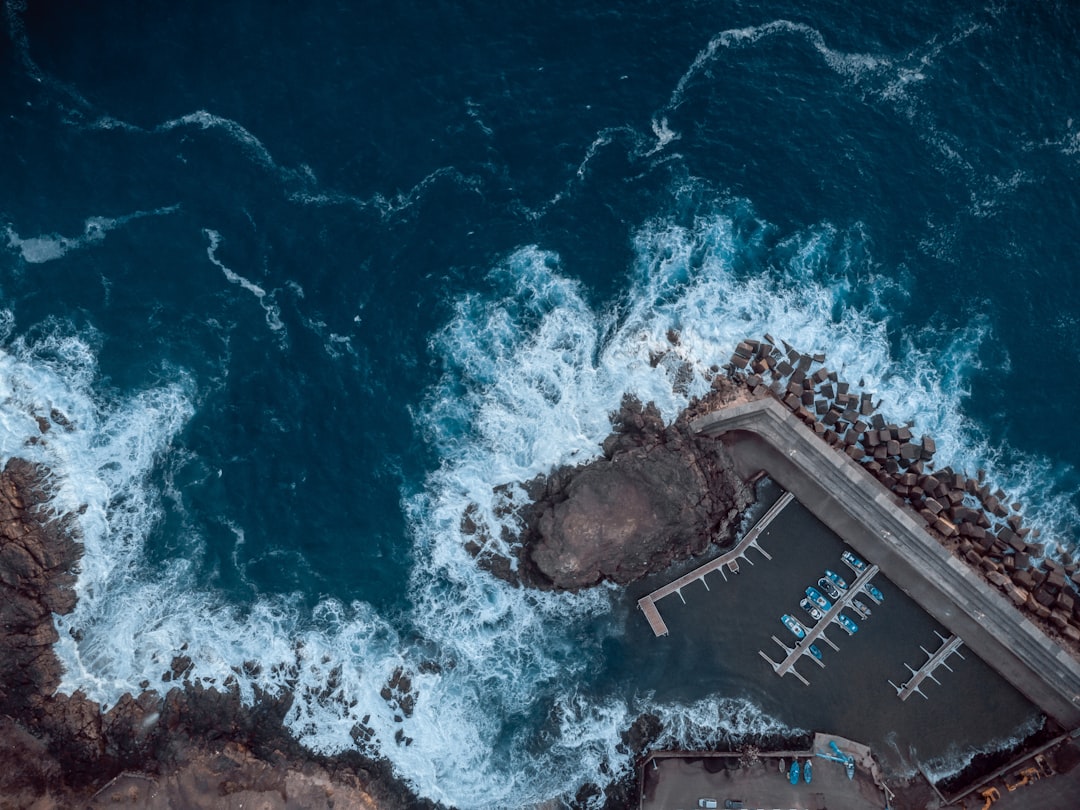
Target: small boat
<point>807,771</point>
<point>783,765</point>
<point>846,623</point>
<point>793,774</point>
<point>850,767</point>
<point>860,606</point>
<point>854,561</point>
<point>836,579</point>
<point>794,625</point>
<point>818,599</point>
<point>733,566</point>
<point>829,588</point>
<point>874,592</point>
<point>814,651</point>
<point>812,609</point>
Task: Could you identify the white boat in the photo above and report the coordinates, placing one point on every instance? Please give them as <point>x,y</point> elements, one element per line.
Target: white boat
<point>812,609</point>
<point>829,588</point>
<point>860,606</point>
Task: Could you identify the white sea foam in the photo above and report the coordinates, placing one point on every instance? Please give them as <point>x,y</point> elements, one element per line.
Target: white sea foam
<point>267,302</point>
<point>532,370</point>
<point>958,758</point>
<point>49,247</point>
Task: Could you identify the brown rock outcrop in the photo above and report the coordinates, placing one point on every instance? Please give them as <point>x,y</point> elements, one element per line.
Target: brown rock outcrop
<point>659,494</point>
<point>191,748</point>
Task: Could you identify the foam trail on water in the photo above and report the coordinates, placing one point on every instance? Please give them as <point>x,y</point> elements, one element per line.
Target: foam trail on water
<point>269,306</point>
<point>46,248</point>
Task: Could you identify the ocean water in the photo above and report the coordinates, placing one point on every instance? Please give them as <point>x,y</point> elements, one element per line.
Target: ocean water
<point>295,286</point>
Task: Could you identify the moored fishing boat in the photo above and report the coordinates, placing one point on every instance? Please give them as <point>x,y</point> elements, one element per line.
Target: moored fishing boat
<point>836,579</point>
<point>854,561</point>
<point>860,606</point>
<point>794,625</point>
<point>812,609</point>
<point>829,588</point>
<point>815,596</point>
<point>846,623</point>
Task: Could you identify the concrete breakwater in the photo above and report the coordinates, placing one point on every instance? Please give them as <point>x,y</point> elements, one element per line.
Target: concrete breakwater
<point>969,517</point>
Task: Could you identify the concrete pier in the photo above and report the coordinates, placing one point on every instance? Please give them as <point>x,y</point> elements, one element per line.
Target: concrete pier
<point>647,604</point>
<point>763,435</point>
<point>949,646</point>
<point>803,647</point>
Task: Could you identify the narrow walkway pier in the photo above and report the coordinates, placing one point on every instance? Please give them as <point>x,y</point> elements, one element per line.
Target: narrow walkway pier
<point>818,630</point>
<point>730,558</point>
<point>948,647</point>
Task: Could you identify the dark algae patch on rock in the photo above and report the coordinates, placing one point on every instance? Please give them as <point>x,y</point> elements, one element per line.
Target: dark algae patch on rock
<point>191,747</point>
<point>658,494</point>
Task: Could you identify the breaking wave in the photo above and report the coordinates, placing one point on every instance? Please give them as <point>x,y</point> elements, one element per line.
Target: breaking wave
<point>500,712</point>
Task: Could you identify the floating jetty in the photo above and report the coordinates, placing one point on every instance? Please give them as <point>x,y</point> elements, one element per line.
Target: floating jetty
<point>786,666</point>
<point>729,559</point>
<point>949,646</point>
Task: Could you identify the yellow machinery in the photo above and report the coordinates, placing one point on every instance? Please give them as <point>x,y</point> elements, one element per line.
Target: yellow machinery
<point>1027,776</point>
<point>1044,766</point>
<point>990,795</point>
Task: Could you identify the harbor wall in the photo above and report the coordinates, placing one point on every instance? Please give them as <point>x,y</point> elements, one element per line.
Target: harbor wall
<point>765,435</point>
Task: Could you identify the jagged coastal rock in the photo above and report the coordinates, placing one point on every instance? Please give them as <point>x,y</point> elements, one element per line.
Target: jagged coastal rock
<point>658,494</point>
<point>193,747</point>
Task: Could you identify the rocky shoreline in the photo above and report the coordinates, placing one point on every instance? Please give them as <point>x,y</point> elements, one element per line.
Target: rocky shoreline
<point>659,494</point>
<point>190,747</point>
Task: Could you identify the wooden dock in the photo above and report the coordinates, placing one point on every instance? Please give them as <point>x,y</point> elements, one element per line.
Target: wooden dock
<point>647,604</point>
<point>949,646</point>
<point>818,630</point>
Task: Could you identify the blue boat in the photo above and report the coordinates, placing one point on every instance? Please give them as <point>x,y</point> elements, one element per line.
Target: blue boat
<point>836,579</point>
<point>829,588</point>
<point>818,599</point>
<point>793,774</point>
<point>814,651</point>
<point>847,624</point>
<point>794,625</point>
<point>874,592</point>
<point>854,561</point>
<point>812,609</point>
<point>807,771</point>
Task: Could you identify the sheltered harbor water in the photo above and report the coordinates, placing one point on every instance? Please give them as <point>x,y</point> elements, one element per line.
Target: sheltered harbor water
<point>715,637</point>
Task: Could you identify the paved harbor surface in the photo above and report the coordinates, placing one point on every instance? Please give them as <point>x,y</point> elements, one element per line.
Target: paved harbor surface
<point>678,783</point>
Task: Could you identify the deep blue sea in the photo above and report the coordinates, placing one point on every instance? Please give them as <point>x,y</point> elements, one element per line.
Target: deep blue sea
<point>300,282</point>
